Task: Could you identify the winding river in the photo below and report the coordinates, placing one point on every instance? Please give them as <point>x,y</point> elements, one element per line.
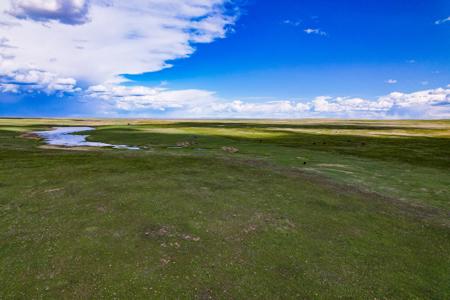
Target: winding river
<point>64,136</point>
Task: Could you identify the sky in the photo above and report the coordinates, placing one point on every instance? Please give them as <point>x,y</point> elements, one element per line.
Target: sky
<point>377,59</point>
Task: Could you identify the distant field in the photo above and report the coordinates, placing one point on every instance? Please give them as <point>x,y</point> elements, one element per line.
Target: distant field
<point>310,209</point>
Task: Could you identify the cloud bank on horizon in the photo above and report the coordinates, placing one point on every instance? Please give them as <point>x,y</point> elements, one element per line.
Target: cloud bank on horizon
<point>83,48</point>
<point>432,103</point>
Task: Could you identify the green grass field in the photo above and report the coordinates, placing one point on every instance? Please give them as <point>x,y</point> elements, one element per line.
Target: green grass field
<point>313,209</point>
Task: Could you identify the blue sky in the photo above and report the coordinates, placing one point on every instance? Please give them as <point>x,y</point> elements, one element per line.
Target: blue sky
<point>222,59</point>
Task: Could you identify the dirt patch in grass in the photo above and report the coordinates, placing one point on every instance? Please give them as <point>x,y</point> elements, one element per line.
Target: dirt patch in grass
<point>102,209</point>
<point>30,136</point>
<point>158,232</point>
<point>261,221</point>
<point>245,226</point>
<point>205,294</point>
<point>165,261</point>
<point>186,144</point>
<point>188,237</point>
<point>230,149</point>
<point>54,190</point>
<point>332,166</point>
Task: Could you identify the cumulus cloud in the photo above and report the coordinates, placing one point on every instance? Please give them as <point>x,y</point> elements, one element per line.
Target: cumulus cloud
<point>442,21</point>
<point>71,12</point>
<point>135,98</point>
<point>315,31</point>
<point>428,103</point>
<point>238,108</point>
<point>440,96</point>
<point>391,81</point>
<point>97,41</point>
<point>432,103</point>
<point>33,80</point>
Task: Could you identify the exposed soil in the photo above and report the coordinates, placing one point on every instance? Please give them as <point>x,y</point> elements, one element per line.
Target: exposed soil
<point>30,136</point>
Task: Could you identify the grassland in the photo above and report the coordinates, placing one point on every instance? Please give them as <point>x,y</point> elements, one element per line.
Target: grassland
<point>312,209</point>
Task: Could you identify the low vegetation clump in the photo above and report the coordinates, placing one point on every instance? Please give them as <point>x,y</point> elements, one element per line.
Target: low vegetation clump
<point>230,149</point>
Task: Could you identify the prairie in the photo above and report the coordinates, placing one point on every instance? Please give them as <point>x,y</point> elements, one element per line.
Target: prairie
<point>302,209</point>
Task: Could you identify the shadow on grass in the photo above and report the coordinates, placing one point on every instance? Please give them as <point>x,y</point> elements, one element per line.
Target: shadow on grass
<point>420,151</point>
<point>243,125</point>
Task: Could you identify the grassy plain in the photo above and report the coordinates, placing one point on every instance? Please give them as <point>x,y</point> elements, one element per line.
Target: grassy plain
<point>313,209</point>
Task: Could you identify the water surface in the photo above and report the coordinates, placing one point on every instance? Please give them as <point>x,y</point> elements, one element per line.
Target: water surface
<point>63,136</point>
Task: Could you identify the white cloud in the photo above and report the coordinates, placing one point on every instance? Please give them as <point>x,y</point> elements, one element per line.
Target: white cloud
<point>438,96</point>
<point>96,41</point>
<point>34,80</point>
<point>65,11</point>
<point>418,104</point>
<point>211,28</point>
<point>349,105</point>
<point>442,21</point>
<point>292,22</point>
<point>134,98</point>
<point>199,103</point>
<point>391,81</point>
<point>315,31</point>
<point>239,108</point>
<point>186,102</point>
